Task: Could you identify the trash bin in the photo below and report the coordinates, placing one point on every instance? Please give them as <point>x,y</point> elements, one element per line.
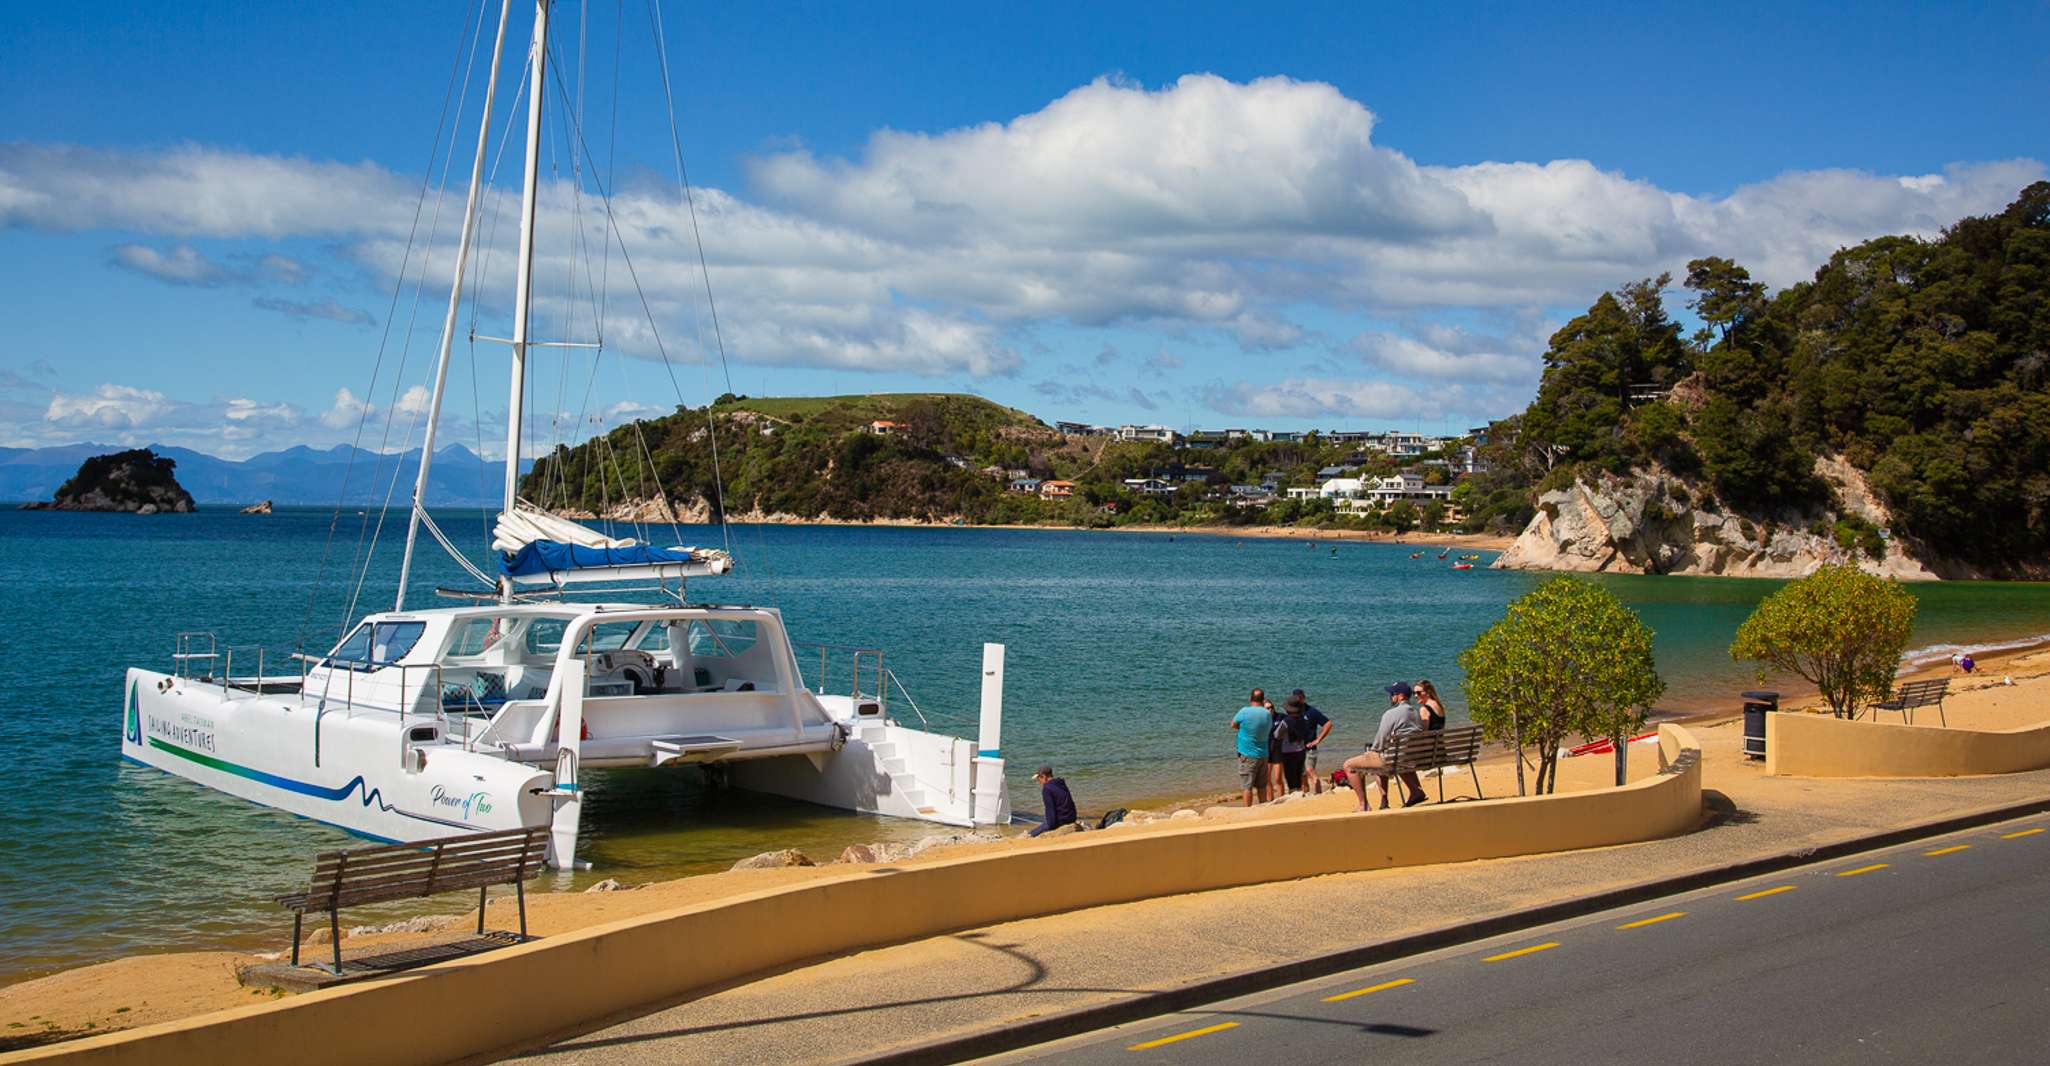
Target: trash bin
<point>1756,706</point>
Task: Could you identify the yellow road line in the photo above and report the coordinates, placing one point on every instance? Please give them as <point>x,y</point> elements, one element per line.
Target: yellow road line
<point>1767,892</point>
<point>1864,869</point>
<point>2023,833</point>
<point>1642,922</point>
<point>1534,949</point>
<point>1951,850</point>
<point>1205,1031</point>
<point>1382,987</point>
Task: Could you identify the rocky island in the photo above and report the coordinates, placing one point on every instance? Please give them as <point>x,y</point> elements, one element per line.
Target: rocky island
<point>138,481</point>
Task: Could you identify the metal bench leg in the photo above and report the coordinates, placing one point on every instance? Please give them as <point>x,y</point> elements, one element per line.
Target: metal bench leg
<point>480,910</point>
<point>334,933</point>
<point>520,890</point>
<point>1939,715</point>
<point>297,918</point>
<point>1475,771</point>
<point>1441,783</point>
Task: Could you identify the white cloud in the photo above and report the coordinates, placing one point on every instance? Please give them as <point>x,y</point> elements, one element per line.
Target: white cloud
<point>1322,398</point>
<point>1239,211</point>
<point>109,407</point>
<point>241,409</point>
<point>322,309</point>
<point>346,412</point>
<point>180,264</point>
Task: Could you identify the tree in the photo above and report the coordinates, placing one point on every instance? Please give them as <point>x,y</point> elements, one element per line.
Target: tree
<point>1840,629</point>
<point>1402,517</point>
<point>1567,658</point>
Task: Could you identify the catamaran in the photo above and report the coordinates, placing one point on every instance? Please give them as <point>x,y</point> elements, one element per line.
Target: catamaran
<point>430,722</point>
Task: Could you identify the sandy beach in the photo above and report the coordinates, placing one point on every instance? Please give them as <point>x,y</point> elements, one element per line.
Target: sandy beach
<point>2008,690</point>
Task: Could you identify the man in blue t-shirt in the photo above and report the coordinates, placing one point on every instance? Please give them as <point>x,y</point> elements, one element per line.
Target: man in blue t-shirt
<point>1254,725</point>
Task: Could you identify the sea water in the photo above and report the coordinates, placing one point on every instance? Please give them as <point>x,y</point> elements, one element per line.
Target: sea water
<point>1127,654</point>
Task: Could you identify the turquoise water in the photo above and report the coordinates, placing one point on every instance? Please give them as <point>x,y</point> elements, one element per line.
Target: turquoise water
<point>1127,655</point>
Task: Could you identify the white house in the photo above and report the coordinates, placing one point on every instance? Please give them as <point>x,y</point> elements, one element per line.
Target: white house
<point>1151,486</point>
<point>1161,434</point>
<point>1406,487</point>
<point>1340,488</point>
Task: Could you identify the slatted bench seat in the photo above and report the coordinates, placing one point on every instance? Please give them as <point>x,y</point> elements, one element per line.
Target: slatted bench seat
<point>1915,694</point>
<point>417,870</point>
<point>1439,749</point>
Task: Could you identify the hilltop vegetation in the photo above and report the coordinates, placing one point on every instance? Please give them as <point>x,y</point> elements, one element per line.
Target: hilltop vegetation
<point>137,480</point>
<point>946,458</point>
<point>1921,363</point>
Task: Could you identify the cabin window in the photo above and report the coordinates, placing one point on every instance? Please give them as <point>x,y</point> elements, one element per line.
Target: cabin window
<point>721,637</point>
<point>655,639</point>
<point>477,636</point>
<point>392,640</point>
<point>609,636</point>
<point>378,643</point>
<point>544,635</point>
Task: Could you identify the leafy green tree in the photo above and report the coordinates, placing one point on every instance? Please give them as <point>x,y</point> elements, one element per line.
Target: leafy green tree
<point>1402,517</point>
<point>1567,658</point>
<point>1840,629</point>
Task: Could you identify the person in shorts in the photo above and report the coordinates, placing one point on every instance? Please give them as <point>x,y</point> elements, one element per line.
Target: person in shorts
<point>1253,726</point>
<point>1322,725</point>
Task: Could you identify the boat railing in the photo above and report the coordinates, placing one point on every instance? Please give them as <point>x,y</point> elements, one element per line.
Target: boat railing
<point>890,677</point>
<point>410,693</point>
<point>187,652</point>
<point>228,685</point>
<point>863,667</point>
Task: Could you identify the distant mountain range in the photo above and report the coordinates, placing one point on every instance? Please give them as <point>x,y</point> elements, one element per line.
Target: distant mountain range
<point>298,475</point>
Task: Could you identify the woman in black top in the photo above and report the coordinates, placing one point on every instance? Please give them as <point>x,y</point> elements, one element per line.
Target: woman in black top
<point>1428,705</point>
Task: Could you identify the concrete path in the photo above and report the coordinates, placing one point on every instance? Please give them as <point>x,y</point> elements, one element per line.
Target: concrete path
<point>875,1001</point>
<point>1923,953</point>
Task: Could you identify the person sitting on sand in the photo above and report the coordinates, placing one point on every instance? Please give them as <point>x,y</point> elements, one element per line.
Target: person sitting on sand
<point>1254,725</point>
<point>1058,801</point>
<point>1320,726</point>
<point>1399,719</point>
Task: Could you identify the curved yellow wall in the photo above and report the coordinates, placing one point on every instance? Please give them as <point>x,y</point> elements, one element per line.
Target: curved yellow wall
<point>519,994</point>
<point>1815,745</point>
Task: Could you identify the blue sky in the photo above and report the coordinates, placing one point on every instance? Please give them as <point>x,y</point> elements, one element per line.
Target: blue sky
<point>1208,214</point>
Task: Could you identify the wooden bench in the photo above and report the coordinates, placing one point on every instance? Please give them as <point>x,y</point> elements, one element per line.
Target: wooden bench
<point>1438,750</point>
<point>417,870</point>
<point>1915,694</point>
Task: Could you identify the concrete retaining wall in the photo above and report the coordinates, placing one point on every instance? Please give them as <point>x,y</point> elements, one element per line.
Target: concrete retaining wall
<point>1815,745</point>
<point>521,994</point>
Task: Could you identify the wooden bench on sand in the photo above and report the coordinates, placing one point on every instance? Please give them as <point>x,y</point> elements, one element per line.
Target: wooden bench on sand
<point>415,871</point>
<point>1915,694</point>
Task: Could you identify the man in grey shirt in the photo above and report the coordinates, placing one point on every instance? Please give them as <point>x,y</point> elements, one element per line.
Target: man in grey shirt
<point>1400,718</point>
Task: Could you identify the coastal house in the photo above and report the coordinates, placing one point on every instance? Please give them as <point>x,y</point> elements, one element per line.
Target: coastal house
<point>1310,493</point>
<point>1150,486</point>
<point>1080,429</point>
<point>1339,470</point>
<point>1056,490</point>
<point>1204,440</point>
<point>996,473</point>
<point>884,428</point>
<point>1025,484</point>
<point>1146,434</point>
<point>957,462</point>
<point>1340,488</point>
<point>1406,487</point>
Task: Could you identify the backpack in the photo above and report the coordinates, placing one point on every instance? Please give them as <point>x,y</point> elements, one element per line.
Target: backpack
<point>1112,817</point>
<point>1291,733</point>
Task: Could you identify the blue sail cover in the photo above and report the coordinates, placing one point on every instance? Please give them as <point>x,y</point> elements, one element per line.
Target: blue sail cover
<point>554,557</point>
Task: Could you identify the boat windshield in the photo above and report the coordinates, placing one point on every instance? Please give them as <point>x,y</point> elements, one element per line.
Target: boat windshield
<point>377,643</point>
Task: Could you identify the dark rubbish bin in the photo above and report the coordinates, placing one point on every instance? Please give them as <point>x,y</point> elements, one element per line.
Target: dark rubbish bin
<point>1756,706</point>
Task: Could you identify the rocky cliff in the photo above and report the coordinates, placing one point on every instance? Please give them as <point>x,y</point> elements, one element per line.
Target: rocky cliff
<point>138,481</point>
<point>1652,522</point>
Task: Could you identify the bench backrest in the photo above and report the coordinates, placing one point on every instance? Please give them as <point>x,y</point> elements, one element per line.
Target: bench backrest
<point>1434,748</point>
<point>1923,693</point>
<point>426,867</point>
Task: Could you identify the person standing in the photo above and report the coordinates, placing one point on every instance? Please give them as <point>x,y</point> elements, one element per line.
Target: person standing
<point>1056,799</point>
<point>1397,721</point>
<point>1254,726</point>
<point>1320,727</point>
<point>1292,735</point>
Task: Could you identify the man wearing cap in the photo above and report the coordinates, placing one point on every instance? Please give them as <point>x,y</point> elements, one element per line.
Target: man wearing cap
<point>1320,726</point>
<point>1055,797</point>
<point>1400,718</point>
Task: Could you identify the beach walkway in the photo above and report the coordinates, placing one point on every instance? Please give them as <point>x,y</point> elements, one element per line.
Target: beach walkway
<point>897,998</point>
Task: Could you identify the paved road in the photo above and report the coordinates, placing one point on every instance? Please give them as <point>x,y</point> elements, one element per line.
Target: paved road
<point>1936,951</point>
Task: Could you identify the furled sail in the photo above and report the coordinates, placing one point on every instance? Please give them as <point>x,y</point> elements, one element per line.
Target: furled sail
<point>535,547</point>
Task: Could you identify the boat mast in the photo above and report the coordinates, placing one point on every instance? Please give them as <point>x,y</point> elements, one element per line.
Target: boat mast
<point>524,281</point>
<point>448,324</point>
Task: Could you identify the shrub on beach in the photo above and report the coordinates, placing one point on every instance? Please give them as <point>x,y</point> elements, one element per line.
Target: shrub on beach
<point>1840,629</point>
<point>1568,658</point>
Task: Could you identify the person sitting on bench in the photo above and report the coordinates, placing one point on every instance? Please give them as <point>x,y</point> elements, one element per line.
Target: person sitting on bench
<point>1400,718</point>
